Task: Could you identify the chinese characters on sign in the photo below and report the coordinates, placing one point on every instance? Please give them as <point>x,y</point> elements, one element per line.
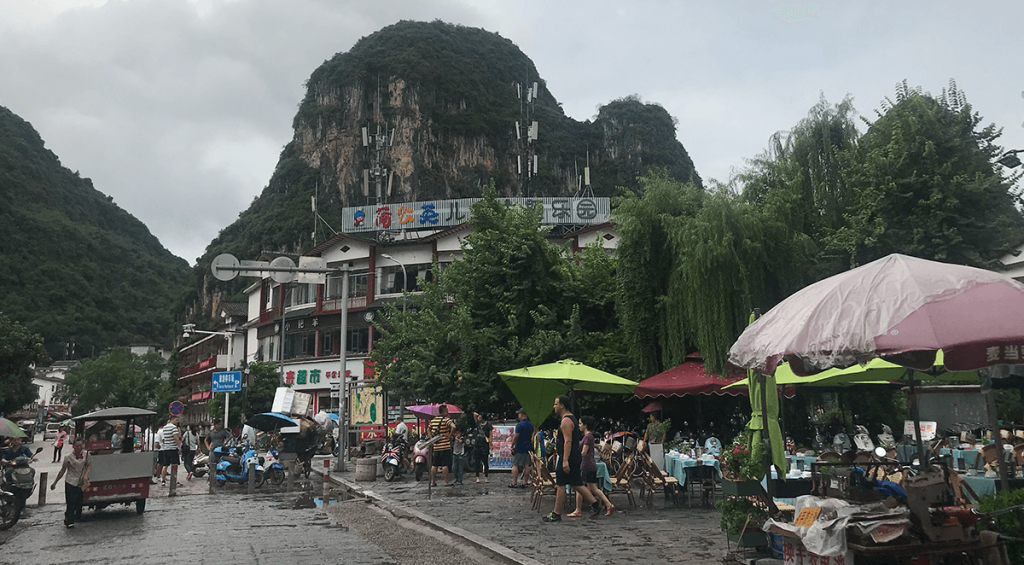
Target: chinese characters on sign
<point>448,213</point>
<point>794,552</point>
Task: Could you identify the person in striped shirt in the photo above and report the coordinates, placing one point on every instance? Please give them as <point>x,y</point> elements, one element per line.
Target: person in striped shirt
<point>442,426</point>
<point>170,443</point>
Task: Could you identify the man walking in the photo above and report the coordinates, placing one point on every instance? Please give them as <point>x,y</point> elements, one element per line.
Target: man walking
<point>441,426</point>
<point>170,439</point>
<point>522,439</point>
<point>569,461</point>
<point>215,439</point>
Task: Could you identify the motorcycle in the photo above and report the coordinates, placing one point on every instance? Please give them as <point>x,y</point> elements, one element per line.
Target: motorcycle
<point>237,468</point>
<point>19,478</point>
<point>393,458</point>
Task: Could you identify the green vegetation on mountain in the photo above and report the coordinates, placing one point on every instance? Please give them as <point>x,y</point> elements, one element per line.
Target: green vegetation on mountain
<point>452,91</point>
<point>78,269</point>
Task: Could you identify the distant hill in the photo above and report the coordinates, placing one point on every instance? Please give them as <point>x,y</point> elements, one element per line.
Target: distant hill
<point>449,93</point>
<point>76,267</point>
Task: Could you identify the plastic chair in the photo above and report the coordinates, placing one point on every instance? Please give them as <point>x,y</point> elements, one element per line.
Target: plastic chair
<point>713,446</point>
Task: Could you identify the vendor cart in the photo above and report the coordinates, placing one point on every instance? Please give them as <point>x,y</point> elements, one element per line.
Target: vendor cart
<point>117,475</point>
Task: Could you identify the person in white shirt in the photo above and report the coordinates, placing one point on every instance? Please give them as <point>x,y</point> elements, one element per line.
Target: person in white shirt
<point>248,433</point>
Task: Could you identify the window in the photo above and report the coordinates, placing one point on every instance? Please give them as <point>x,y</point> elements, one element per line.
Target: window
<point>357,285</point>
<point>391,278</point>
<point>300,345</point>
<point>359,340</point>
<point>299,294</point>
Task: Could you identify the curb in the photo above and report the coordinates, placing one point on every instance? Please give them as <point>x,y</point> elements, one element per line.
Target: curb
<point>399,511</point>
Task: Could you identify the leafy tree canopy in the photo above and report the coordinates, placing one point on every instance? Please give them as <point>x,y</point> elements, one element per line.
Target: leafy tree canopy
<point>19,350</point>
<point>926,185</point>
<point>117,378</point>
<point>516,300</point>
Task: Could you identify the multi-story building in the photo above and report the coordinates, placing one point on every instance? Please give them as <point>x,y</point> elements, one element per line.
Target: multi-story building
<point>208,351</point>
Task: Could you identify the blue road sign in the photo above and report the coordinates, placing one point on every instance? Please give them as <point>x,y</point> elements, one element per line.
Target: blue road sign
<point>227,381</point>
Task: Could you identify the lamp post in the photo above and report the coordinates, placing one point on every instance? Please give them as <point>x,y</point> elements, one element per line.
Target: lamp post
<point>405,277</point>
<point>190,329</point>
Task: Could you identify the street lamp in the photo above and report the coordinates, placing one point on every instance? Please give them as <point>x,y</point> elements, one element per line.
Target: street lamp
<point>405,278</point>
<point>1010,159</point>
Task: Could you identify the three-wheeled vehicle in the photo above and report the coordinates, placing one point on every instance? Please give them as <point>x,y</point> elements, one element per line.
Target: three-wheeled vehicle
<point>118,475</point>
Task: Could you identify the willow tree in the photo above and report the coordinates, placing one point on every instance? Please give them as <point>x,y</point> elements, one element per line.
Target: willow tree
<point>801,179</point>
<point>692,264</point>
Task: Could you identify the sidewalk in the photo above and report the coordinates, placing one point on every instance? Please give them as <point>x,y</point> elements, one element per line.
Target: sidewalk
<point>662,534</point>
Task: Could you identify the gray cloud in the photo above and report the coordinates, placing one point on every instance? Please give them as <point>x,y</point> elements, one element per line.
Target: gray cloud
<point>179,109</point>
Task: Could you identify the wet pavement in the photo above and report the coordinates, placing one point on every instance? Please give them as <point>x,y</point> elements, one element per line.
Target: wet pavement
<point>274,526</point>
<point>666,533</point>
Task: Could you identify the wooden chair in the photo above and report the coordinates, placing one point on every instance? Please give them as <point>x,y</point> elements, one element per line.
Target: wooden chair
<point>622,481</point>
<point>543,482</point>
<point>652,478</point>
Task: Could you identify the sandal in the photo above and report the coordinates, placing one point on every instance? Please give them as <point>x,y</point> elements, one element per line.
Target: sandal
<point>513,485</point>
<point>573,515</point>
<point>609,511</point>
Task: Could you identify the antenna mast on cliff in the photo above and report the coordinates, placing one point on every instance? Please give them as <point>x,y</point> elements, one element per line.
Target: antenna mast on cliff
<point>526,147</point>
<point>377,141</point>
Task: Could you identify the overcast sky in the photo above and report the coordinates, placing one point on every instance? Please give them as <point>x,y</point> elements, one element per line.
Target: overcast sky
<point>179,108</point>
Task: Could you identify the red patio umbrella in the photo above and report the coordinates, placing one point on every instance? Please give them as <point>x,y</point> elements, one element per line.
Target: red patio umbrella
<point>686,379</point>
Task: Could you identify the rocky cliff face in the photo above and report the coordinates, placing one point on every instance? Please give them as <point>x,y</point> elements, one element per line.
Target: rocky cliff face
<point>452,96</point>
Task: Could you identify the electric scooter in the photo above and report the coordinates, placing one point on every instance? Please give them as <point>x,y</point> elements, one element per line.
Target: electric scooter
<point>236,469</point>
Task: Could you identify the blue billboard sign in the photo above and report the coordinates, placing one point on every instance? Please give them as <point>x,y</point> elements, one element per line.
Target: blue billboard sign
<point>227,381</point>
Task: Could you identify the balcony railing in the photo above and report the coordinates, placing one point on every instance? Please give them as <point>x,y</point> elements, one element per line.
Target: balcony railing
<point>353,302</point>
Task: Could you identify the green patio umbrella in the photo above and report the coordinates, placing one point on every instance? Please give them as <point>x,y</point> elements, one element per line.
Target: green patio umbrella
<point>10,429</point>
<point>875,371</point>
<point>536,387</point>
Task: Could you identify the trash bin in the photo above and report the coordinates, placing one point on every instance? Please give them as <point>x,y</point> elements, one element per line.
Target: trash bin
<point>366,469</point>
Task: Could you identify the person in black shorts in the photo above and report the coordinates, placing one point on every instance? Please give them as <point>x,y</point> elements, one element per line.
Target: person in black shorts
<point>569,461</point>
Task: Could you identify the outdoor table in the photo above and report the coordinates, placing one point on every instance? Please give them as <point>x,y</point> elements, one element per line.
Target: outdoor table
<point>676,466</point>
<point>604,479</point>
<point>802,462</point>
<point>962,458</point>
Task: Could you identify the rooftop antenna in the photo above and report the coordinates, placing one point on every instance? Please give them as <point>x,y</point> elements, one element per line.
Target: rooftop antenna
<point>377,140</point>
<point>525,146</point>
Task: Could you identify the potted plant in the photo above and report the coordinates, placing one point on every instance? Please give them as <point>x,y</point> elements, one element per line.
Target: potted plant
<point>742,465</point>
<point>741,521</point>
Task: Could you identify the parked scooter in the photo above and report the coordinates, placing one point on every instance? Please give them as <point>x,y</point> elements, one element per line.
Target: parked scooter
<point>275,470</point>
<point>421,455</point>
<point>393,458</point>
<point>236,469</point>
<point>200,465</point>
<point>19,478</point>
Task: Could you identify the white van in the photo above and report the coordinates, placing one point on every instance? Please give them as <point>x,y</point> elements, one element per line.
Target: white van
<point>51,431</point>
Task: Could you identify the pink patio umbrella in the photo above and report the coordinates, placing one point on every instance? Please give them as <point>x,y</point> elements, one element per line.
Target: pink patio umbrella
<point>431,410</point>
<point>902,309</point>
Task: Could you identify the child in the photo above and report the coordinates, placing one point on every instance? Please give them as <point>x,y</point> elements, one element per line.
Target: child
<point>458,455</point>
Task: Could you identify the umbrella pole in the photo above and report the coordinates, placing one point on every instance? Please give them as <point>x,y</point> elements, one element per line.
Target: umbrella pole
<point>922,458</point>
<point>990,400</point>
<point>766,439</point>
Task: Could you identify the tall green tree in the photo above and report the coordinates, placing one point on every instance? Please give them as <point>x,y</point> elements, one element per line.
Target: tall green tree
<point>514,299</point>
<point>117,378</point>
<point>927,186</point>
<point>19,350</point>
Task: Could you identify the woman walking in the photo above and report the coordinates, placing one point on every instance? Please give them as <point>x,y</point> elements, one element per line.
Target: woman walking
<point>58,443</point>
<point>589,470</point>
<point>482,446</point>
<point>76,465</point>
<point>189,443</point>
